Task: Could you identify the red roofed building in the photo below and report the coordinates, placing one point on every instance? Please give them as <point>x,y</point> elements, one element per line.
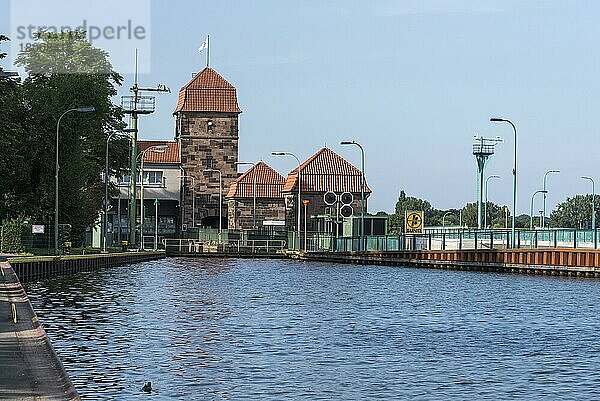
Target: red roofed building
<point>162,183</point>
<point>270,207</point>
<point>325,171</point>
<point>207,129</point>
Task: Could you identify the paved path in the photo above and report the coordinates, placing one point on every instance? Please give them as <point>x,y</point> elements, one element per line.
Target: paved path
<point>29,368</point>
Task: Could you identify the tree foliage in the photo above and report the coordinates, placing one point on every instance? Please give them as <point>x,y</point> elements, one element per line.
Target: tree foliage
<point>407,203</point>
<point>12,234</point>
<point>64,72</point>
<point>575,212</point>
<point>450,217</point>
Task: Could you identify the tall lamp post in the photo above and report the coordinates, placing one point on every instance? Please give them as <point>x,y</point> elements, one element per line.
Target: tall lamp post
<point>444,219</point>
<point>84,109</point>
<point>486,199</point>
<point>362,191</point>
<point>514,211</point>
<point>593,208</point>
<point>142,156</point>
<point>106,180</point>
<point>539,191</point>
<point>299,187</point>
<point>212,170</point>
<point>546,195</point>
<point>253,191</point>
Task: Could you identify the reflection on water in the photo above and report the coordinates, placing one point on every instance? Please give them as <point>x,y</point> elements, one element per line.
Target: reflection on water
<point>273,330</point>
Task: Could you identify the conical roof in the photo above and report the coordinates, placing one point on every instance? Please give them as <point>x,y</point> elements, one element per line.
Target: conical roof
<point>208,91</point>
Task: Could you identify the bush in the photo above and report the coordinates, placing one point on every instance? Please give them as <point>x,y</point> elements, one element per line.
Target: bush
<point>13,236</point>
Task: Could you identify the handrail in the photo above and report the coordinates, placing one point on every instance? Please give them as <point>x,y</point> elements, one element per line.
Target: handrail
<point>189,245</point>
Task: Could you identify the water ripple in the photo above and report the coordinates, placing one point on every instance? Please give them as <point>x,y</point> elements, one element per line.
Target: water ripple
<point>272,330</point>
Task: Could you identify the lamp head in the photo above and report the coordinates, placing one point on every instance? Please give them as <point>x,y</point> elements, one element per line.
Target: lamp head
<point>86,109</point>
<point>347,143</point>
<point>497,120</point>
<point>278,153</point>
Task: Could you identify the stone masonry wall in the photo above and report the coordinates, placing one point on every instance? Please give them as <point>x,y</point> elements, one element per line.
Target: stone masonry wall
<point>240,212</point>
<point>207,146</point>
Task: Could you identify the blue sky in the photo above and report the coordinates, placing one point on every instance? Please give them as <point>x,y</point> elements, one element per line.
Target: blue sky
<point>411,80</point>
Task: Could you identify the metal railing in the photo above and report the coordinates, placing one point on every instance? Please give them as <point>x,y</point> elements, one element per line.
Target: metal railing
<point>450,239</point>
<point>458,239</point>
<point>194,246</point>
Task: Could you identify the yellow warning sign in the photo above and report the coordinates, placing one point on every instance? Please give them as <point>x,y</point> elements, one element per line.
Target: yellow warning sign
<point>413,222</point>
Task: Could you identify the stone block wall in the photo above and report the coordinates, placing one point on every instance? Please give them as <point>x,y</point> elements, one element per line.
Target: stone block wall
<point>240,212</point>
<point>208,140</point>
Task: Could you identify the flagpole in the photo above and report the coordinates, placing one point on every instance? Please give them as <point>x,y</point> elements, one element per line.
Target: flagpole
<point>207,50</point>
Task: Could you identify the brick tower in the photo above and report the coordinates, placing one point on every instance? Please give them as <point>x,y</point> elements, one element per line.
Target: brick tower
<point>207,129</point>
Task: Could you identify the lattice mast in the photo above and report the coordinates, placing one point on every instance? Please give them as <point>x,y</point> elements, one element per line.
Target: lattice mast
<point>136,105</point>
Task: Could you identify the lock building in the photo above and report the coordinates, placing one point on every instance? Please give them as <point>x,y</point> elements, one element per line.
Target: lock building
<point>324,173</point>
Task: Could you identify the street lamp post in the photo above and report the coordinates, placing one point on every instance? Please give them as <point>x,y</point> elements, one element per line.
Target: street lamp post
<point>106,180</point>
<point>444,219</point>
<point>142,156</point>
<point>85,109</point>
<point>362,192</point>
<point>546,195</point>
<point>299,188</point>
<point>539,191</point>
<point>486,199</point>
<point>212,170</point>
<point>593,208</point>
<point>514,211</point>
<point>105,219</point>
<point>253,191</point>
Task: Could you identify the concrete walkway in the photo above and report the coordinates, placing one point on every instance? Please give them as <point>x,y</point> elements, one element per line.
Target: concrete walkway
<point>29,368</point>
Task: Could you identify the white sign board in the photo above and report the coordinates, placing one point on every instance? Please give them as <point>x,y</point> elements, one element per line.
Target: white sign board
<point>38,229</point>
<point>273,223</point>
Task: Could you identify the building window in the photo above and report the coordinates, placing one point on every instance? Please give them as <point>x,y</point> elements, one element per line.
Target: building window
<point>209,162</point>
<point>205,199</point>
<point>154,178</point>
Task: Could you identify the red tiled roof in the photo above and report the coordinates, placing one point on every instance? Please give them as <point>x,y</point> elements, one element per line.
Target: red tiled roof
<point>208,91</point>
<point>268,183</point>
<point>170,155</point>
<point>326,171</point>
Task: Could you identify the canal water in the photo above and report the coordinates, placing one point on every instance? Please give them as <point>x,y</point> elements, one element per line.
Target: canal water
<point>283,330</point>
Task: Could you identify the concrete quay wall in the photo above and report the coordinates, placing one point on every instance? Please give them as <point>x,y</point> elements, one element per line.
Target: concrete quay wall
<point>31,370</point>
<point>558,262</point>
<point>39,268</point>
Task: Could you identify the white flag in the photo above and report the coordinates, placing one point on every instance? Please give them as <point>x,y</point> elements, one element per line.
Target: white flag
<point>203,46</point>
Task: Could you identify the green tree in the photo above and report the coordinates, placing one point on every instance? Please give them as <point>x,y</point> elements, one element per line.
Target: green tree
<point>396,221</point>
<point>64,72</point>
<point>575,212</point>
<point>14,157</point>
